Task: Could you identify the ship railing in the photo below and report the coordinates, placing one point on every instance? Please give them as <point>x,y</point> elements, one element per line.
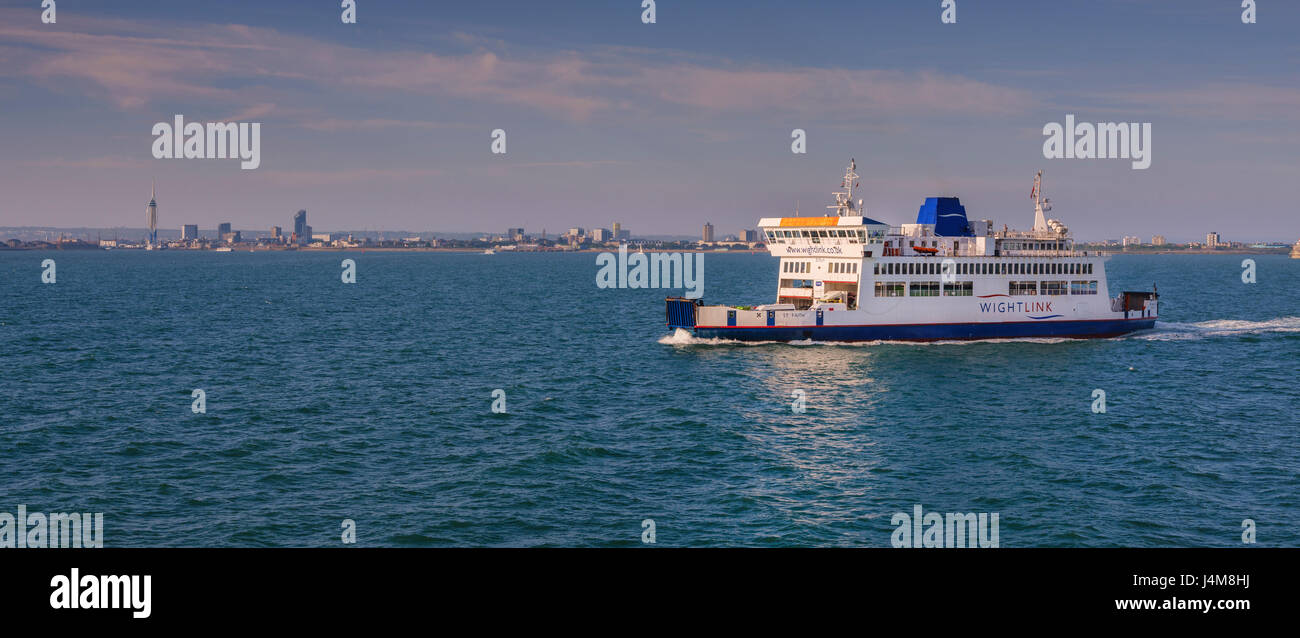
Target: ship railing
<point>1042,253</point>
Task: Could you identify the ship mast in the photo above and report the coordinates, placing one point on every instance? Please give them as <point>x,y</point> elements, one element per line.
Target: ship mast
<point>1041,206</point>
<point>844,199</point>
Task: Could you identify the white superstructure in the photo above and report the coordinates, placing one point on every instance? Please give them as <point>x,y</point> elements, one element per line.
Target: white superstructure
<point>849,277</point>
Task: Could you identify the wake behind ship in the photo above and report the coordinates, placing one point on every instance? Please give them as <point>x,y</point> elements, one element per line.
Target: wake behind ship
<point>846,277</point>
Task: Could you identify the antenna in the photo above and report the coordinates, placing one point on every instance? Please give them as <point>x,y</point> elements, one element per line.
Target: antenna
<point>844,199</point>
<point>1040,220</point>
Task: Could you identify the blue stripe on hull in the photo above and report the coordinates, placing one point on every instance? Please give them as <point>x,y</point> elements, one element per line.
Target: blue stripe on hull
<point>933,332</point>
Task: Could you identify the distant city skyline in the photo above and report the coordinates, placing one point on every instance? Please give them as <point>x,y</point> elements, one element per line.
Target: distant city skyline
<point>388,123</point>
<point>300,229</point>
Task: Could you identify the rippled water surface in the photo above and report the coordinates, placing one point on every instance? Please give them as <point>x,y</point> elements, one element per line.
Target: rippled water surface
<point>372,402</point>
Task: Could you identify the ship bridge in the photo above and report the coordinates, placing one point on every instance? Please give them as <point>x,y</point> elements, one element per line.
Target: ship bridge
<point>822,257</point>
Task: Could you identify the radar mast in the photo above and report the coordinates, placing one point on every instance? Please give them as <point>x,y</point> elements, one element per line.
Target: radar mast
<point>844,205</point>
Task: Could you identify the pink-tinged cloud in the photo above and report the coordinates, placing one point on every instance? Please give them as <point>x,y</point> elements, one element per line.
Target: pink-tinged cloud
<point>335,177</point>
<point>334,124</point>
<point>126,65</point>
<point>254,112</point>
<point>1234,102</point>
<point>103,162</point>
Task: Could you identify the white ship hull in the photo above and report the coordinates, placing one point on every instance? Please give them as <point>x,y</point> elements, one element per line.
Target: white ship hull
<point>847,277</point>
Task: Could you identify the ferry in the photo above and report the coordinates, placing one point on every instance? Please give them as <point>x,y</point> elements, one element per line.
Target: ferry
<point>847,277</point>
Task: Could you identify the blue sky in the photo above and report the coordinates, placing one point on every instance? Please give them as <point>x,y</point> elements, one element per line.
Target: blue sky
<point>386,124</point>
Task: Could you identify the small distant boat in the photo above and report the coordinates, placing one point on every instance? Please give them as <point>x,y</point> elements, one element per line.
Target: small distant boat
<point>225,249</point>
<point>489,252</point>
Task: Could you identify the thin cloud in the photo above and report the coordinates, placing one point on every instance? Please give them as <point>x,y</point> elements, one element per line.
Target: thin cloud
<point>220,63</point>
<point>341,176</point>
<point>104,162</point>
<point>370,124</point>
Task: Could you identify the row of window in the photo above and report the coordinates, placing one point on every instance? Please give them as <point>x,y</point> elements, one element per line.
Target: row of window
<point>967,288</point>
<point>924,289</point>
<point>1027,288</point>
<point>984,268</point>
<point>816,235</point>
<point>835,267</point>
<point>1031,245</point>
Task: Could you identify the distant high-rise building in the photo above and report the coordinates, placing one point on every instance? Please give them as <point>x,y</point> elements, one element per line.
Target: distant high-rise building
<point>1211,240</point>
<point>515,234</point>
<point>223,229</point>
<point>1132,241</point>
<point>708,232</point>
<point>275,233</point>
<point>1158,240</point>
<point>301,231</point>
<point>190,231</point>
<point>151,215</point>
<point>749,236</point>
<point>602,234</point>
